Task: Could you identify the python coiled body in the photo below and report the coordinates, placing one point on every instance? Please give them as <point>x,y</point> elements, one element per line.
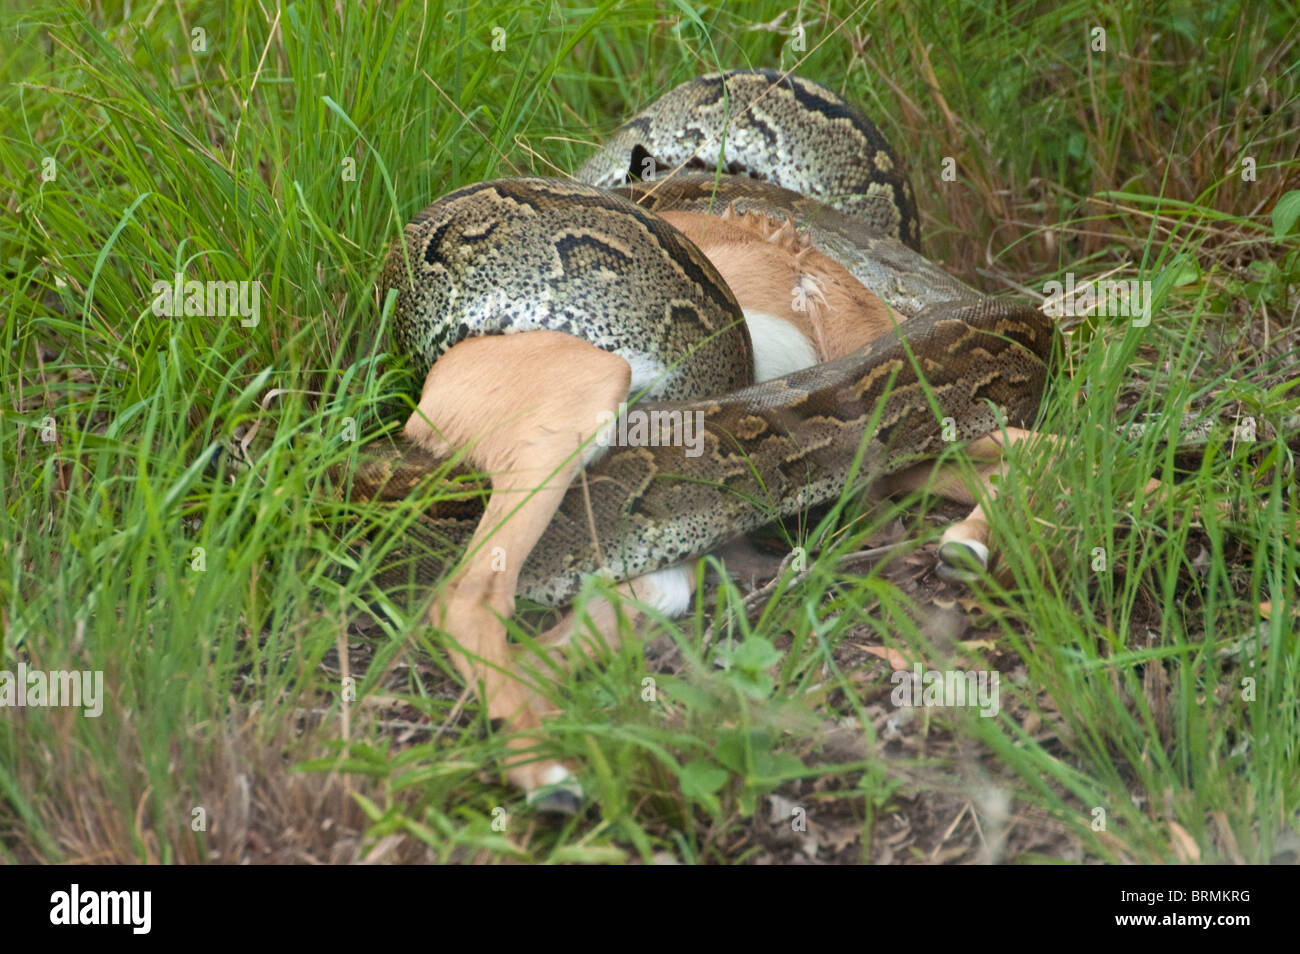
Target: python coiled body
<point>527,254</point>
<point>770,449</point>
<point>779,128</point>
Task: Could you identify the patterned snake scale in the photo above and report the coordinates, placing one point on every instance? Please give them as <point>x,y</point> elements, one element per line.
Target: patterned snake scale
<point>517,254</point>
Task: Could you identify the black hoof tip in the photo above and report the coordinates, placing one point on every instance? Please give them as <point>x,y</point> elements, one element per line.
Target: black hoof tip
<point>562,802</point>
<point>962,562</point>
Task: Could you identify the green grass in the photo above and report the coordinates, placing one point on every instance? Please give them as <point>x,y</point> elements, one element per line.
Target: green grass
<point>1123,685</point>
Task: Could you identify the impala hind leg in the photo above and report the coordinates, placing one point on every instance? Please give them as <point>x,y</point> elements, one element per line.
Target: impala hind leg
<point>965,547</point>
<point>667,591</point>
<point>523,405</point>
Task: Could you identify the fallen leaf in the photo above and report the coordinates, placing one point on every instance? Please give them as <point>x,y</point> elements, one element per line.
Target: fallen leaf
<point>891,656</point>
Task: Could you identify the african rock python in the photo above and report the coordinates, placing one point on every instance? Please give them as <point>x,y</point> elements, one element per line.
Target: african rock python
<point>518,254</point>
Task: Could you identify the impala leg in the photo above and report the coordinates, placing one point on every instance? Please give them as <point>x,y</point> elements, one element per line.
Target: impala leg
<point>668,590</point>
<point>526,428</point>
<point>965,546</point>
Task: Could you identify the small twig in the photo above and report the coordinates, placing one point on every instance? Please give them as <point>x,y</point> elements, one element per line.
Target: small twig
<point>591,515</point>
<point>265,404</point>
<point>1010,283</point>
<point>454,714</point>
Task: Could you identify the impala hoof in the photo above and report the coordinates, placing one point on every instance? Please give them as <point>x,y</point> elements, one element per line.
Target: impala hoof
<point>560,795</point>
<point>962,561</point>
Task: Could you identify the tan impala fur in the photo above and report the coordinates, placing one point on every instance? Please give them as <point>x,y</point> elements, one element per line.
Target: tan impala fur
<point>773,269</point>
<point>527,429</point>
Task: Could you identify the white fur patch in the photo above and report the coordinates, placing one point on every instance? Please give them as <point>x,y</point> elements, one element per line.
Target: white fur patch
<point>981,551</point>
<point>646,372</point>
<point>557,775</point>
<point>667,590</point>
<point>809,288</point>
<point>599,445</point>
<point>779,347</point>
